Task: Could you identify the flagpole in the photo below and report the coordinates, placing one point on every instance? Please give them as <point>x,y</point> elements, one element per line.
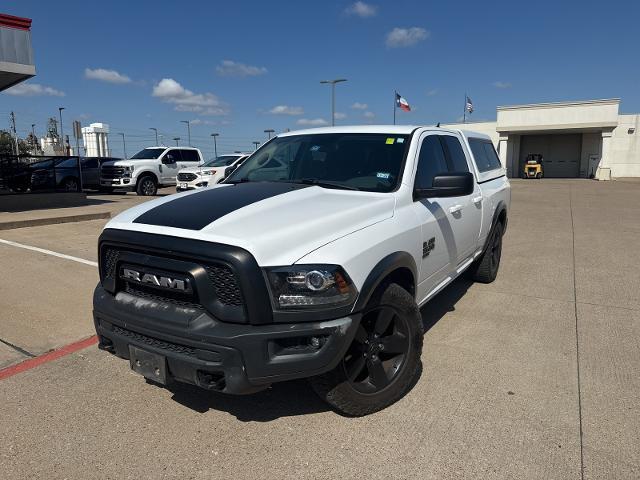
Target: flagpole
<point>464,112</point>
<point>395,96</point>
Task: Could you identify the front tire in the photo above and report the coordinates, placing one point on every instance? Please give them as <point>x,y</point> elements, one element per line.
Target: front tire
<point>147,186</point>
<point>383,361</point>
<point>70,185</point>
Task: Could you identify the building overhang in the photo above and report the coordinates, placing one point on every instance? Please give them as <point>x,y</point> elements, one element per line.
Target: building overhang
<point>16,55</point>
<point>576,116</point>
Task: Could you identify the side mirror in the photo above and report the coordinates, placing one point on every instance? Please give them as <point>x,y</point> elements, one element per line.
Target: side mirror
<point>456,184</point>
<point>168,159</point>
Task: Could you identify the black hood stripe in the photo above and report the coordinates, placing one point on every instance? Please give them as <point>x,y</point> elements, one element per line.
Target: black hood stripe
<point>196,211</point>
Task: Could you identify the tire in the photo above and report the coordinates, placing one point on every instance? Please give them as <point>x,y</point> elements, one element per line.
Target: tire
<point>392,320</point>
<point>539,175</point>
<point>70,185</point>
<point>147,186</point>
<point>486,268</point>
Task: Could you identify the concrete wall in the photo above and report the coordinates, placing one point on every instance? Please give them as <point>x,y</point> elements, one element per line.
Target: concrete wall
<point>625,147</point>
<point>591,145</point>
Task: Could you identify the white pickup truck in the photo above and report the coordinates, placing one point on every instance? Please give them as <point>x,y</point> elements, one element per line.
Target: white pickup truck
<point>311,260</point>
<point>148,169</point>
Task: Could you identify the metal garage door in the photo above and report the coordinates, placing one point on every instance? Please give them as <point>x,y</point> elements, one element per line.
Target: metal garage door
<point>561,153</point>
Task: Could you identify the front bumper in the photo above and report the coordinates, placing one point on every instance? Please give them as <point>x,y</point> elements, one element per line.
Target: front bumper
<point>231,358</point>
<point>126,182</point>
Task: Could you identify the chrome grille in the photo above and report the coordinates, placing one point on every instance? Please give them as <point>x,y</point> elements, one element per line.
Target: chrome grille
<point>109,172</point>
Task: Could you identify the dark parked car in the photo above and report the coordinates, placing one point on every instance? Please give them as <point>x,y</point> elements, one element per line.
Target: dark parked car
<point>65,171</point>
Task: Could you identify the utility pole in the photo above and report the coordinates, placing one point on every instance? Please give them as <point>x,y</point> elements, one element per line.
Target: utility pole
<point>269,131</point>
<point>333,96</point>
<point>215,144</point>
<point>15,135</point>
<point>155,130</point>
<point>256,145</point>
<point>124,145</point>
<point>177,139</point>
<point>61,132</point>
<point>188,122</point>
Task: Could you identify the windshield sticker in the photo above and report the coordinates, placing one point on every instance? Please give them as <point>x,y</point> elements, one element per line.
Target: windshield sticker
<point>390,141</point>
<point>400,140</point>
<point>315,148</point>
<point>383,175</point>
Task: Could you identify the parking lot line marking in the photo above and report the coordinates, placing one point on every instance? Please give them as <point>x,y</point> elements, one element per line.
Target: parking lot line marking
<point>49,252</point>
<point>47,357</point>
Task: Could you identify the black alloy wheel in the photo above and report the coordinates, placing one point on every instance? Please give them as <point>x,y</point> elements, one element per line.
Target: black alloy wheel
<point>378,351</point>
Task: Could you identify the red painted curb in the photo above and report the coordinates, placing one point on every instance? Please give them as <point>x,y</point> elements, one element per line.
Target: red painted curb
<point>47,357</point>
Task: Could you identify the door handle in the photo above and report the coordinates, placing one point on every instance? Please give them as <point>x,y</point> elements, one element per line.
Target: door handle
<point>477,199</point>
<point>455,209</point>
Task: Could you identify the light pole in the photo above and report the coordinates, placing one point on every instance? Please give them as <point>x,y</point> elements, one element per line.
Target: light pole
<point>61,132</point>
<point>124,145</point>
<point>177,139</point>
<point>188,122</point>
<point>156,131</point>
<point>269,131</point>
<point>33,136</point>
<point>333,96</point>
<point>215,144</point>
<point>256,145</point>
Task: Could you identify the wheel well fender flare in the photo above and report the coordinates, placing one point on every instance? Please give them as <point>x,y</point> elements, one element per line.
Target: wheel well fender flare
<point>499,213</point>
<point>147,173</point>
<point>394,262</point>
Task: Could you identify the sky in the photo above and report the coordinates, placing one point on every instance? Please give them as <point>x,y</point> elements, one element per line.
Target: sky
<point>238,68</point>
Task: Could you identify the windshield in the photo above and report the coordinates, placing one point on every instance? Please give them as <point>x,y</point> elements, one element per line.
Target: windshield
<point>221,161</point>
<point>358,161</point>
<point>148,154</point>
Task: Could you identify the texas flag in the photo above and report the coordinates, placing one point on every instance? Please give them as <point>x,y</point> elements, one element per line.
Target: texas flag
<point>402,103</point>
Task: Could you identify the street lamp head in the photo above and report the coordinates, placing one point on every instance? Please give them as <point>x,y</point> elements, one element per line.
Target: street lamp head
<point>60,109</point>
<point>337,80</point>
<point>185,121</point>
<point>215,134</point>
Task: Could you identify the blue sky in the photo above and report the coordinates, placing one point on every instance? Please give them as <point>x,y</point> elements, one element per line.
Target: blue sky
<point>228,66</point>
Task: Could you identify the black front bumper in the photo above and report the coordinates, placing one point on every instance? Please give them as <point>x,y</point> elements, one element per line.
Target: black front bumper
<point>228,357</point>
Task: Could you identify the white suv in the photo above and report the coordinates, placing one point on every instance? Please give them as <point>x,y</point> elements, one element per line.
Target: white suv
<point>148,169</point>
<point>312,259</point>
<point>209,173</point>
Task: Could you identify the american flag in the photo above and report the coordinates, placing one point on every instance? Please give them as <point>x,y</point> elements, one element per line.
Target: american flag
<point>469,105</point>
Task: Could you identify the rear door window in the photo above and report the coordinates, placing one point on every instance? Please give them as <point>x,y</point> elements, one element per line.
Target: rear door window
<point>484,154</point>
<point>190,156</point>
<point>175,153</point>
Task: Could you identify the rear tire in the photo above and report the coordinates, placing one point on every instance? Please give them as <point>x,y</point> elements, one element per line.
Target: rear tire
<point>485,270</point>
<point>383,360</point>
<point>147,186</point>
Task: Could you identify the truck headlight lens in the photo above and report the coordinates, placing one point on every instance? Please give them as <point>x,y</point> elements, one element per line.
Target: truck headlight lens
<point>308,286</point>
<point>208,172</point>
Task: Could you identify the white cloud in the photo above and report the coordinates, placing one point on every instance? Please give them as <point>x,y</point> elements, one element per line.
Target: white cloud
<point>340,116</point>
<point>170,91</point>
<point>286,110</point>
<point>369,116</point>
<point>500,84</point>
<point>432,92</point>
<point>104,75</point>
<point>229,68</point>
<point>33,90</point>
<point>315,122</point>
<point>359,106</point>
<point>361,9</point>
<point>406,37</point>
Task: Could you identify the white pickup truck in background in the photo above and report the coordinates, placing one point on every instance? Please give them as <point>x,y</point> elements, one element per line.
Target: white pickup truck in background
<point>148,169</point>
<point>312,259</point>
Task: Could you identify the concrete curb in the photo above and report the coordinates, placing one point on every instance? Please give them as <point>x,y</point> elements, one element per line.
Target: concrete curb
<point>37,222</point>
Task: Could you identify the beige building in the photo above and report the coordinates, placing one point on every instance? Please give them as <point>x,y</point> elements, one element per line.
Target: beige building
<point>587,139</point>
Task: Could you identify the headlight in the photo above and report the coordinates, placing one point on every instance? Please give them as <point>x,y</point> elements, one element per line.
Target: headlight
<point>208,172</point>
<point>308,286</point>
<point>128,169</point>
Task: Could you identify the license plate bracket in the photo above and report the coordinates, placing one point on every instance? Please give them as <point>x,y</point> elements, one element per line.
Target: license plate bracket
<point>148,364</point>
<point>184,185</point>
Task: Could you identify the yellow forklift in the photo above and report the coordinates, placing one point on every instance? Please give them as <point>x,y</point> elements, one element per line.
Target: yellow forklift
<point>533,166</point>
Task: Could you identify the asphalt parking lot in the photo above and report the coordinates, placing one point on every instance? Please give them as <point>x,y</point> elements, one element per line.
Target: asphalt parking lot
<point>534,376</point>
